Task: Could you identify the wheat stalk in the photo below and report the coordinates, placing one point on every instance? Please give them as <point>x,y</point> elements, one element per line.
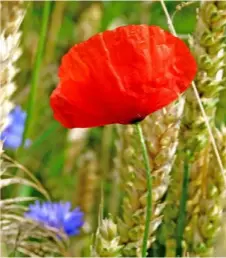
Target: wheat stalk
<point>204,206</point>
<point>205,209</point>
<point>87,185</point>
<point>12,14</point>
<point>198,99</point>
<point>16,232</point>
<point>86,195</point>
<point>107,240</point>
<point>161,131</point>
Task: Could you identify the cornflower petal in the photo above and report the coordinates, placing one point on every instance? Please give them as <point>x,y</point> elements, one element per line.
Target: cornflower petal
<point>57,215</point>
<point>13,133</point>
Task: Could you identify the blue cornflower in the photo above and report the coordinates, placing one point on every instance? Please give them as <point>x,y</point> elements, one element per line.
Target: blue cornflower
<point>57,215</point>
<point>12,135</point>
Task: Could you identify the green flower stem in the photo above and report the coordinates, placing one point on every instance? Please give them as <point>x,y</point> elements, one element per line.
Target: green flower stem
<point>149,188</point>
<point>37,67</point>
<point>182,209</point>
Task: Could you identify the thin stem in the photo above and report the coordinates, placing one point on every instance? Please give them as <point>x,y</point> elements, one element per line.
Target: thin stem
<point>104,165</point>
<point>149,188</point>
<point>37,66</point>
<point>213,142</point>
<point>182,208</point>
<point>210,133</point>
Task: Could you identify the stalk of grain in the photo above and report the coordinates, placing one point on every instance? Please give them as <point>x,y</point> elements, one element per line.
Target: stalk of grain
<point>12,14</point>
<point>87,186</point>
<point>107,240</point>
<point>161,133</point>
<point>85,197</point>
<point>202,207</point>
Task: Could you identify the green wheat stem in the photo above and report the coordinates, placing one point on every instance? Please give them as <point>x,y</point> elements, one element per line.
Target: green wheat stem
<point>182,208</point>
<point>105,164</point>
<point>149,188</point>
<point>37,67</point>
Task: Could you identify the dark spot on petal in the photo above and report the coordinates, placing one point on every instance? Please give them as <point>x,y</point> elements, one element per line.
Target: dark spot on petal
<point>137,120</point>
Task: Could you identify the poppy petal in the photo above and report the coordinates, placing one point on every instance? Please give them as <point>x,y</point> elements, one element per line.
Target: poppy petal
<point>120,76</point>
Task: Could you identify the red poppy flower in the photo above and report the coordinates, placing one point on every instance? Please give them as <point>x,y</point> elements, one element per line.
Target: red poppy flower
<point>121,76</point>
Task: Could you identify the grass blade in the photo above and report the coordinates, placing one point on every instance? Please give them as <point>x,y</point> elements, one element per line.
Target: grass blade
<point>182,209</point>
<point>37,67</point>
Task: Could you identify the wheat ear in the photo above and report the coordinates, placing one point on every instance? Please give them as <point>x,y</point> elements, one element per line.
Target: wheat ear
<point>107,240</point>
<point>161,133</point>
<point>207,45</point>
<point>12,14</point>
